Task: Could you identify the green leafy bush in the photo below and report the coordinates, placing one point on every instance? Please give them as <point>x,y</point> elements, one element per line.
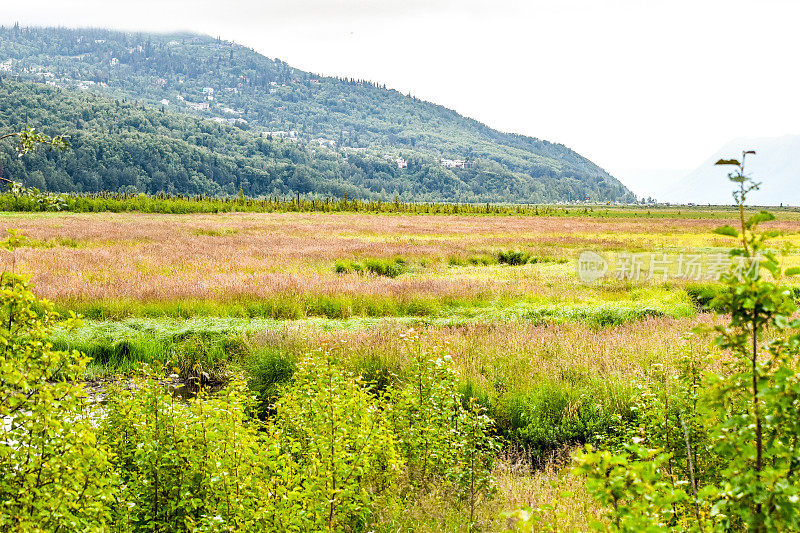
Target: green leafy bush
<point>513,257</point>
<point>342,448</point>
<point>386,267</point>
<point>347,267</point>
<point>440,438</point>
<point>391,268</point>
<point>704,295</point>
<point>475,260</point>
<point>196,466</point>
<point>553,416</point>
<point>54,475</point>
<point>717,451</point>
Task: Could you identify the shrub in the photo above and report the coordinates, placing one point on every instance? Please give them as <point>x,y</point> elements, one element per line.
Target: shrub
<point>475,260</point>
<point>553,416</point>
<point>54,475</point>
<point>196,466</point>
<point>703,295</point>
<point>440,438</point>
<point>269,370</point>
<point>718,450</point>
<point>203,358</point>
<point>391,268</point>
<point>513,257</point>
<point>347,267</point>
<point>343,451</point>
<point>386,267</point>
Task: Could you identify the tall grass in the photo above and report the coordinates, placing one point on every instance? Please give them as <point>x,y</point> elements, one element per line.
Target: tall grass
<point>545,385</point>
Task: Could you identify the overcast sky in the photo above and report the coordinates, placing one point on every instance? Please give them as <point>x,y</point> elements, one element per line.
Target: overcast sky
<point>647,89</point>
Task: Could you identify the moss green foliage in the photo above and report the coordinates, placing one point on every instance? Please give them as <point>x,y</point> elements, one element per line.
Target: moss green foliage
<point>191,156</point>
<point>391,268</point>
<point>519,257</point>
<point>332,452</point>
<point>196,466</point>
<point>343,449</point>
<point>475,260</point>
<point>55,477</point>
<point>513,257</point>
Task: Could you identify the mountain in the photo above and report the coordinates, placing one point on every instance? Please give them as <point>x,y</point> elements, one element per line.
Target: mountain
<point>311,134</point>
<point>776,165</point>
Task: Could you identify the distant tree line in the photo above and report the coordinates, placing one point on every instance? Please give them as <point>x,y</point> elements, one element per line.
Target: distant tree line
<point>125,146</point>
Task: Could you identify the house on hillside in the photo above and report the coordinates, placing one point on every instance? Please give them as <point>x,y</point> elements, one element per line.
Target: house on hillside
<point>399,161</point>
<point>453,163</point>
<point>324,142</point>
<point>291,134</point>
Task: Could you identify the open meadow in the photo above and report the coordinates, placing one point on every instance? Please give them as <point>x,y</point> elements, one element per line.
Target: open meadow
<point>556,362</point>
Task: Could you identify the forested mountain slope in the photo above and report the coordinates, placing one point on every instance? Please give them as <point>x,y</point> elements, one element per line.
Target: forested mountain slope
<point>220,110</point>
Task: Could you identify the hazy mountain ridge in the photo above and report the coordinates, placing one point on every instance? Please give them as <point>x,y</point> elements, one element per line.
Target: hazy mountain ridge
<point>222,81</point>
<point>776,165</point>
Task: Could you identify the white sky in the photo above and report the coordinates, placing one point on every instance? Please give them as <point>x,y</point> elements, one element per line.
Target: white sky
<point>647,89</point>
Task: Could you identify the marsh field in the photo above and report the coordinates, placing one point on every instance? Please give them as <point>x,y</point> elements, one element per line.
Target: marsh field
<point>553,360</point>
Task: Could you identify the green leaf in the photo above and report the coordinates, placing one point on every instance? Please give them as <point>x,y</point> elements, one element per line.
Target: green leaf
<point>734,162</point>
<point>728,231</point>
<point>773,268</point>
<point>793,271</point>
<point>762,216</point>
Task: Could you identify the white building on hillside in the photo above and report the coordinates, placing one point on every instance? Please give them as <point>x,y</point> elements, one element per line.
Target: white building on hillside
<point>291,134</point>
<point>453,163</point>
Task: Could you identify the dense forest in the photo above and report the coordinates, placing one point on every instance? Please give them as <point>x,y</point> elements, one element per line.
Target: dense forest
<point>191,114</point>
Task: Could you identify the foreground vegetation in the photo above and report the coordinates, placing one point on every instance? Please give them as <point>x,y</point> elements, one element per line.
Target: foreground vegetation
<point>335,450</point>
<point>717,450</point>
<point>305,371</point>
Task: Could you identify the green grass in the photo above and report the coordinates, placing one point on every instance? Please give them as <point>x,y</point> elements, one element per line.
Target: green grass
<point>602,306</point>
<point>279,307</point>
<point>559,409</point>
<point>169,204</point>
<point>391,268</point>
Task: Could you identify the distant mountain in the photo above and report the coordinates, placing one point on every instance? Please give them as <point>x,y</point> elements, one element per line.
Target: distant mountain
<point>776,165</point>
<point>344,134</point>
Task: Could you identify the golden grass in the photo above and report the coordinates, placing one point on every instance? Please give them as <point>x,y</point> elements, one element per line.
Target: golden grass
<point>171,257</point>
<point>151,257</point>
<point>513,356</point>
